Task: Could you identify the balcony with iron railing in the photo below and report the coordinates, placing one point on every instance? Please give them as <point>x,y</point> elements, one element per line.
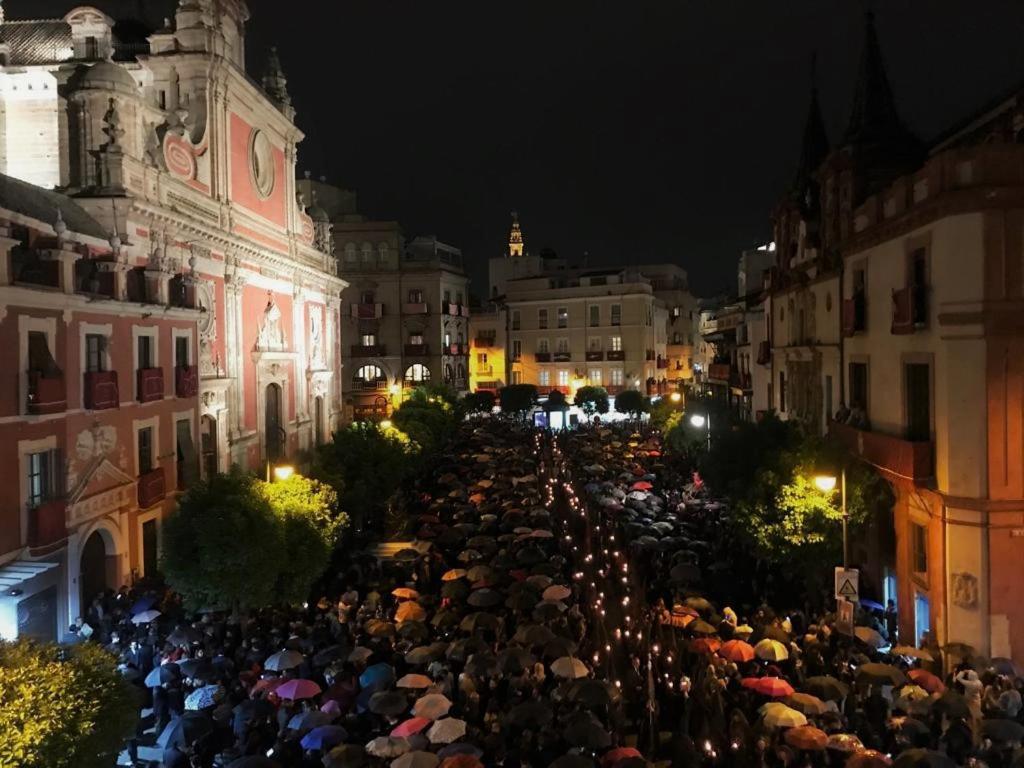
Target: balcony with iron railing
<point>542,357</point>
<point>47,392</point>
<point>562,357</point>
<point>616,355</point>
<point>367,311</point>
<point>152,488</point>
<point>416,350</point>
<point>100,390</point>
<point>908,459</point>
<point>594,355</point>
<point>415,308</point>
<point>455,310</point>
<point>370,384</point>
<point>186,380</point>
<point>149,384</point>
<point>368,350</point>
<point>47,523</point>
<point>720,372</point>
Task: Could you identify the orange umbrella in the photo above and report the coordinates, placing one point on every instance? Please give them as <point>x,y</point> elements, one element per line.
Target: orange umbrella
<point>807,737</point>
<point>705,645</point>
<point>619,754</point>
<point>410,611</point>
<point>461,761</point>
<point>845,742</point>
<point>737,651</point>
<point>869,758</point>
<point>404,593</point>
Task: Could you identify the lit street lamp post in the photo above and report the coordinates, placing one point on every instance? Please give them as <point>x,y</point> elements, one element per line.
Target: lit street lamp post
<point>827,483</point>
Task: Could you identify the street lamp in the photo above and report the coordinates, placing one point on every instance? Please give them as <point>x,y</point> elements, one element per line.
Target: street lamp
<point>700,420</point>
<point>385,424</point>
<point>827,484</point>
<point>283,472</point>
<point>675,397</point>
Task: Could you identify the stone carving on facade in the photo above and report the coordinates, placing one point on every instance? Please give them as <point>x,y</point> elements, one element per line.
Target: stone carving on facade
<point>96,441</point>
<point>209,364</point>
<point>271,337</point>
<point>316,337</point>
<point>965,590</point>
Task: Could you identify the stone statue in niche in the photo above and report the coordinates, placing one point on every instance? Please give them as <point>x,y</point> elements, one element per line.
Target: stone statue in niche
<point>316,336</point>
<point>271,336</point>
<point>965,590</point>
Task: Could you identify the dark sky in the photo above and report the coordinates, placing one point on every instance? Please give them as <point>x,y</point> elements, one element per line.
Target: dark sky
<point>633,131</point>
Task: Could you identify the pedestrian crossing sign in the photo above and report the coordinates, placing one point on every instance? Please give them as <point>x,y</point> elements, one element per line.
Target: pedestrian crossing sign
<point>848,584</point>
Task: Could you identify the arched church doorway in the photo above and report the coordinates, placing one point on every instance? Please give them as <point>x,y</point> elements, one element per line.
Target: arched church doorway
<point>94,569</point>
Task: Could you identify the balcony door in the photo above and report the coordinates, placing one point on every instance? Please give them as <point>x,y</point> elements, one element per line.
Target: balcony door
<point>917,388</point>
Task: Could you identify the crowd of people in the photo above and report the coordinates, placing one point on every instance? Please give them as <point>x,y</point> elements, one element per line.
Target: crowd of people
<point>752,685</point>
<point>467,648</point>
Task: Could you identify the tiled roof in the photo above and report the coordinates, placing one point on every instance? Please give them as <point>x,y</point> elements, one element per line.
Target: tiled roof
<point>42,204</point>
<point>37,41</point>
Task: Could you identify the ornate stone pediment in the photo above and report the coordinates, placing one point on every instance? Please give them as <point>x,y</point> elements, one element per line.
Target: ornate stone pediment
<point>102,488</point>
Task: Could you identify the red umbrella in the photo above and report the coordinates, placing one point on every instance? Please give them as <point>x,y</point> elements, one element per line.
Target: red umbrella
<point>774,687</point>
<point>267,684</point>
<point>410,726</point>
<point>641,485</point>
<point>619,754</point>
<point>926,680</point>
<point>737,651</point>
<point>297,689</point>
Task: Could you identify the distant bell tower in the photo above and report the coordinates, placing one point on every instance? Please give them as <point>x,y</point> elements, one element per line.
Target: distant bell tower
<point>515,238</point>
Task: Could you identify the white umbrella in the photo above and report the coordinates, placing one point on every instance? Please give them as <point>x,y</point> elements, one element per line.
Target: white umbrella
<point>569,668</point>
<point>447,730</point>
<point>146,616</point>
<point>283,660</point>
<point>388,746</point>
<point>416,760</point>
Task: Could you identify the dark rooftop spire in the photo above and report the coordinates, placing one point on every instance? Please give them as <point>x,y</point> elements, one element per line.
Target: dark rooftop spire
<point>814,147</point>
<point>873,116</point>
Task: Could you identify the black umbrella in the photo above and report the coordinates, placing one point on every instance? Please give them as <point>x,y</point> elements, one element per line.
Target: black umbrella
<point>881,674</point>
<point>184,731</point>
<point>522,601</point>
<point>482,664</point>
<point>530,714</point>
<point>165,673</point>
<point>559,647</point>
<point>254,761</point>
<point>924,758</point>
<point>827,687</point>
<point>573,761</point>
<point>999,729</point>
<point>533,634</point>
<point>413,630</point>
<point>462,649</point>
<point>484,598</point>
<point>329,654</point>
<point>199,669</point>
<point>455,590</point>
<point>388,703</point>
<point>478,620</point>
<point>514,660</point>
<point>953,705</point>
<point>591,692</point>
<point>584,730</point>
<point>184,636</point>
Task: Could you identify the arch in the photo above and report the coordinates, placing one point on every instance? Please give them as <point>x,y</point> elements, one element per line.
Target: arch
<point>369,372</point>
<point>449,374</point>
<point>462,372</point>
<point>97,563</point>
<point>417,373</point>
<point>273,422</point>
<point>351,255</point>
<point>367,253</point>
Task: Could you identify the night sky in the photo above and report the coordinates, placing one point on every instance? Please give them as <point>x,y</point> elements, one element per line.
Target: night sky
<point>630,131</point>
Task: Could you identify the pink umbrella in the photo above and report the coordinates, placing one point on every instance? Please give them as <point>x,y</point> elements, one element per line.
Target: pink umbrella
<point>297,689</point>
<point>410,726</point>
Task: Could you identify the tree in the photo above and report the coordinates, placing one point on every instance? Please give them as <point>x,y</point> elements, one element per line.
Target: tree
<point>481,401</point>
<point>518,399</point>
<point>222,546</point>
<point>307,512</point>
<point>62,707</point>
<point>555,401</point>
<point>428,419</point>
<point>632,402</point>
<point>365,465</point>
<point>592,400</point>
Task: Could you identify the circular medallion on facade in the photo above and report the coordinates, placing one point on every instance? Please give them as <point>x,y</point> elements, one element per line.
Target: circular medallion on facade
<point>261,164</point>
<point>179,157</point>
<point>307,232</point>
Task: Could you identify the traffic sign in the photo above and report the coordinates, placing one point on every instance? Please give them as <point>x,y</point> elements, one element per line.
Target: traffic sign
<point>848,584</point>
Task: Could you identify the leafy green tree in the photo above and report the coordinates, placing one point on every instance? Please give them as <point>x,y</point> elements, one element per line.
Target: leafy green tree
<point>632,402</point>
<point>365,465</point>
<point>479,402</point>
<point>222,545</point>
<point>428,419</point>
<point>62,707</point>
<point>592,400</point>
<point>555,401</point>
<point>307,511</point>
<point>518,399</point>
